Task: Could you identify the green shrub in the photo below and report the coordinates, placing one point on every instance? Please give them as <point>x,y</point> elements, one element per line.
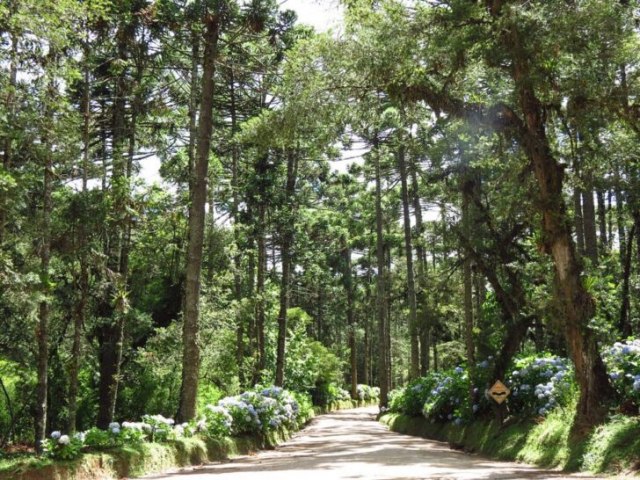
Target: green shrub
<point>449,400</point>
<point>63,447</point>
<point>623,362</point>
<point>539,384</point>
<point>411,399</point>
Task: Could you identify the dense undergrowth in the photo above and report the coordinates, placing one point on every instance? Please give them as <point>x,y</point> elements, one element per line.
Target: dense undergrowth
<point>453,406</point>
<point>255,419</point>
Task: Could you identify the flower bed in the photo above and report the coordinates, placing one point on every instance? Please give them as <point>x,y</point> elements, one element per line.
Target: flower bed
<point>259,412</point>
<point>261,418</point>
<point>623,362</point>
<point>538,385</point>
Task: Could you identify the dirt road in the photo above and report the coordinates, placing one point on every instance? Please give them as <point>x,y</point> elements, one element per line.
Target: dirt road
<point>350,445</point>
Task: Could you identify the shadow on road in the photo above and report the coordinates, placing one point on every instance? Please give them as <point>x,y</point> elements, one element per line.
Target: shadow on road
<point>350,445</point>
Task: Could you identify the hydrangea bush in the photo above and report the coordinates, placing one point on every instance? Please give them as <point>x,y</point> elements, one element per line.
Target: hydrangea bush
<point>159,428</point>
<point>63,447</point>
<point>411,399</point>
<point>217,422</point>
<point>448,400</point>
<point>367,393</point>
<point>258,411</point>
<point>540,384</point>
<point>244,415</point>
<point>623,363</point>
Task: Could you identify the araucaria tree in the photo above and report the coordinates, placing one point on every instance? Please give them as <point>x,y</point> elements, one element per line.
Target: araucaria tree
<point>202,196</point>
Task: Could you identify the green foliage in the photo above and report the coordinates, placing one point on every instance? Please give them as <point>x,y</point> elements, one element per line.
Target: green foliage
<point>305,407</point>
<point>217,422</point>
<point>367,393</point>
<point>614,445</point>
<point>410,400</point>
<point>208,394</point>
<point>98,438</point>
<point>159,428</point>
<point>540,384</point>
<point>63,447</point>
<point>310,365</point>
<point>623,363</point>
<point>449,400</point>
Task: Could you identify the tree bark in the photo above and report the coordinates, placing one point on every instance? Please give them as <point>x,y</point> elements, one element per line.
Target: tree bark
<point>624,323</point>
<point>7,157</point>
<point>351,321</point>
<point>112,334</point>
<point>83,281</point>
<point>421,298</point>
<point>260,286</point>
<point>414,366</point>
<point>620,222</point>
<point>191,351</point>
<point>602,222</point>
<point>578,219</point>
<point>42,328</point>
<point>577,303</point>
<point>589,221</point>
<point>467,187</point>
<point>237,258</point>
<point>383,374</point>
<point>287,236</point>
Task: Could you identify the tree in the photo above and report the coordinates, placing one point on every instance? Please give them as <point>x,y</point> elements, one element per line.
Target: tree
<point>213,20</point>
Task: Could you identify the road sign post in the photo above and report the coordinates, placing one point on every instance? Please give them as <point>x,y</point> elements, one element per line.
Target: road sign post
<point>499,392</point>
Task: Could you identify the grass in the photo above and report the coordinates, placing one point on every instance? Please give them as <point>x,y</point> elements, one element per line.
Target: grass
<point>146,458</point>
<point>612,448</point>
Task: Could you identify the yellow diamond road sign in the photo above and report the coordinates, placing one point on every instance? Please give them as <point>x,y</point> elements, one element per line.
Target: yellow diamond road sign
<point>499,392</point>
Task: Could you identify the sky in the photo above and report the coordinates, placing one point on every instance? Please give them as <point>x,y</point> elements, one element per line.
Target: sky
<point>321,14</point>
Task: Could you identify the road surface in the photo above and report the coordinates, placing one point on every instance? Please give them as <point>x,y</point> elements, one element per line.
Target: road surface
<point>350,445</point>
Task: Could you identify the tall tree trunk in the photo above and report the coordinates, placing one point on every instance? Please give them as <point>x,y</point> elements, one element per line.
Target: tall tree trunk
<point>602,222</point>
<point>620,220</point>
<point>424,326</point>
<point>79,313</point>
<point>577,303</point>
<point>468,185</point>
<point>42,328</point>
<point>194,101</point>
<point>578,219</point>
<point>383,374</point>
<point>237,258</point>
<point>369,300</point>
<point>388,311</point>
<point>624,323</point>
<point>287,233</point>
<point>191,351</point>
<point>610,220</point>
<point>112,334</point>
<point>414,366</point>
<point>7,144</point>
<point>260,288</point>
<point>589,221</point>
<point>351,321</point>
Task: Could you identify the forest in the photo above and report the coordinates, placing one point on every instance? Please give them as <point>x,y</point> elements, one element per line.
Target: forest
<point>434,196</point>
